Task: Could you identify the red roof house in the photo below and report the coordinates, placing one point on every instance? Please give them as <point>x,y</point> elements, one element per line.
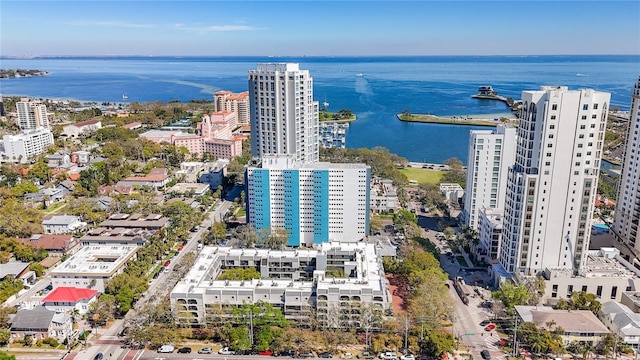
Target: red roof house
<point>63,299</point>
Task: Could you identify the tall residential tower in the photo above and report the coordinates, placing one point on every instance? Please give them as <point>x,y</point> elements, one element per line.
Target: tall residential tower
<point>32,115</point>
<point>284,116</point>
<point>551,188</point>
<point>491,152</point>
<point>316,202</point>
<point>625,225</point>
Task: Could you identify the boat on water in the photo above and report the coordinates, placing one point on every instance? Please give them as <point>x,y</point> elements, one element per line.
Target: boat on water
<point>359,75</point>
<point>325,104</point>
<point>124,97</point>
<point>332,135</point>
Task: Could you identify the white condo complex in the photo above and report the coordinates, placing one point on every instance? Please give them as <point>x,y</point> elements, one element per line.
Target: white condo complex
<point>491,152</point>
<point>627,216</point>
<point>551,188</point>
<point>317,202</point>
<point>32,115</point>
<point>284,116</point>
<point>332,278</point>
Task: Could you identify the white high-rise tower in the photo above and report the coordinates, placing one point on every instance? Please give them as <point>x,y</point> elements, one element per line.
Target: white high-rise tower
<point>284,116</point>
<point>32,115</point>
<point>551,188</point>
<point>491,152</point>
<point>627,216</point>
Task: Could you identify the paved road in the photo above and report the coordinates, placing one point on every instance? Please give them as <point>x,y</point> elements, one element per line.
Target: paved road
<point>109,343</point>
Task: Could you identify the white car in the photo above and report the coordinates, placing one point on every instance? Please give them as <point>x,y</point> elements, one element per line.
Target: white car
<point>407,357</point>
<point>346,356</point>
<point>388,355</point>
<point>226,351</point>
<point>166,349</point>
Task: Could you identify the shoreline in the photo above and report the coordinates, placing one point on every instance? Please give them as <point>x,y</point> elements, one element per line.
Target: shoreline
<point>467,120</point>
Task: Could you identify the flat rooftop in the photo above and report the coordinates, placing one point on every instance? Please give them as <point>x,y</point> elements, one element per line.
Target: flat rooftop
<point>96,260</point>
<point>370,271</point>
<point>184,187</point>
<point>605,262</point>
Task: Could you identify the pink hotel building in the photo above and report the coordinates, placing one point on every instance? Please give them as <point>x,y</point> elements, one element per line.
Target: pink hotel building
<point>215,136</point>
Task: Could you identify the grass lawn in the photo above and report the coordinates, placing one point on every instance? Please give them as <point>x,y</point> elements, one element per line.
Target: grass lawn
<point>462,261</point>
<point>423,175</point>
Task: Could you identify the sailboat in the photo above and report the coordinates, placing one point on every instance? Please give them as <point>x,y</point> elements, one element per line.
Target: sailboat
<point>124,96</point>
<point>325,103</point>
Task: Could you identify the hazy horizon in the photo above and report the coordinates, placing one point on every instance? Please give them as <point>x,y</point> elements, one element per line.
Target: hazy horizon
<point>319,28</point>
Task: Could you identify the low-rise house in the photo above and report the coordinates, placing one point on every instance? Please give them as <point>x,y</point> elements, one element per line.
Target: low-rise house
<point>56,245</point>
<point>621,321</point>
<point>82,128</point>
<point>45,197</point>
<point>157,179</point>
<point>62,224</point>
<point>383,195</point>
<point>136,221</point>
<point>17,270</point>
<point>452,192</point>
<point>210,173</point>
<point>80,157</point>
<point>40,323</point>
<point>604,273</point>
<point>116,236</point>
<point>133,126</point>
<point>57,160</point>
<point>192,189</point>
<point>66,299</point>
<point>66,186</point>
<point>578,325</point>
<point>92,266</point>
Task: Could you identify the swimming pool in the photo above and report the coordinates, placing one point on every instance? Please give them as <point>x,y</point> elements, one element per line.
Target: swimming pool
<point>601,227</point>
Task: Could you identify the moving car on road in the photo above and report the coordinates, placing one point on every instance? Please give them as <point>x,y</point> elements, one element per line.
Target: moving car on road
<point>205,351</point>
<point>226,351</point>
<point>184,350</point>
<point>325,355</point>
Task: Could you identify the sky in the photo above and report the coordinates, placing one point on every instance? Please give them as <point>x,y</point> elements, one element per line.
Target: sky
<point>319,28</point>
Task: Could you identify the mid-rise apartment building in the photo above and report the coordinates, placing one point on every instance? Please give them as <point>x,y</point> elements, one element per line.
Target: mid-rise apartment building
<point>627,215</point>
<point>316,202</point>
<point>284,116</point>
<point>24,146</point>
<point>551,188</point>
<point>236,102</point>
<point>491,152</point>
<point>32,115</point>
<point>333,278</point>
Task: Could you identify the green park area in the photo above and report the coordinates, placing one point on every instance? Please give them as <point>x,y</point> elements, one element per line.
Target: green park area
<point>423,175</point>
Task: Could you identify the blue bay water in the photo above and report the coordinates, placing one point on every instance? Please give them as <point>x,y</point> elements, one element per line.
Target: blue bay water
<point>440,85</point>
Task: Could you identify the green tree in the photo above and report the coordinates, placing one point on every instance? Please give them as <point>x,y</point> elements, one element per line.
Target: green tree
<point>37,268</point>
<point>456,173</point>
<point>5,356</point>
<point>239,274</point>
<point>217,233</point>
<point>438,343</point>
<point>23,188</point>
<point>511,295</point>
<point>5,336</point>
<point>40,171</point>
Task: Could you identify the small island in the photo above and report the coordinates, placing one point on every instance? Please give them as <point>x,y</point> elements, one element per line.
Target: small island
<point>344,115</point>
<point>474,120</point>
<point>21,73</point>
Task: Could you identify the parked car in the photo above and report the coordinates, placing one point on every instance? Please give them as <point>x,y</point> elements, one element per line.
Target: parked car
<point>346,355</point>
<point>266,352</point>
<point>98,356</point>
<point>388,355</point>
<point>205,351</point>
<point>490,327</point>
<point>307,354</point>
<point>167,263</point>
<point>180,247</point>
<point>184,350</point>
<point>226,351</point>
<point>285,353</point>
<point>407,357</point>
<point>485,354</point>
<point>366,355</point>
<point>166,349</point>
<point>325,355</point>
<point>244,352</point>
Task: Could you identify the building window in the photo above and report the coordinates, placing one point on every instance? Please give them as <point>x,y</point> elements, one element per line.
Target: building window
<point>614,292</point>
<point>599,291</point>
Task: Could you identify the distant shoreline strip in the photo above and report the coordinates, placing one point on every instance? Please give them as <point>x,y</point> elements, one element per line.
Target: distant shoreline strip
<point>432,119</point>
